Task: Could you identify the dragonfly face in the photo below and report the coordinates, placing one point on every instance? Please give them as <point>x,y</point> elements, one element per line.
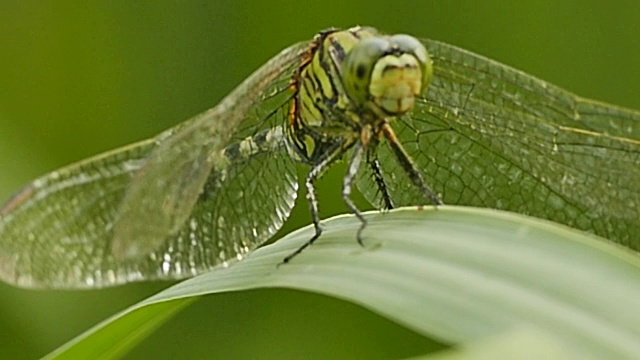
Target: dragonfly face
<point>386,74</point>
<point>412,112</point>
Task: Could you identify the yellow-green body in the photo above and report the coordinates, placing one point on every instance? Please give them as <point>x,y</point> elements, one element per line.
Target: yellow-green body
<point>355,79</point>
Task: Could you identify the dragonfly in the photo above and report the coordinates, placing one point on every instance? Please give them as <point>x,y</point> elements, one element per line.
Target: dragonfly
<point>418,122</point>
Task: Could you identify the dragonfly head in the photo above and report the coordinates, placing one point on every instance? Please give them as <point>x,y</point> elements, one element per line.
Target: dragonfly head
<point>386,74</point>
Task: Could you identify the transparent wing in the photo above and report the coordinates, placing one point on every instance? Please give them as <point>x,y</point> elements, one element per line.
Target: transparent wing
<point>166,188</point>
<point>58,232</point>
<point>488,135</point>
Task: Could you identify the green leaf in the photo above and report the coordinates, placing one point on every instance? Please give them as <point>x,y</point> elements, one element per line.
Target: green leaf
<point>521,344</point>
<point>455,274</point>
<point>120,333</point>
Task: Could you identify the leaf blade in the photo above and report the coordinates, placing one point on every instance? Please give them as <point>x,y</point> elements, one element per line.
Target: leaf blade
<point>467,274</point>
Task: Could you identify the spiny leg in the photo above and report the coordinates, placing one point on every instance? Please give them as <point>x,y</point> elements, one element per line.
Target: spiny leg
<point>313,207</point>
<point>313,175</point>
<point>354,164</point>
<point>408,166</point>
<point>383,190</point>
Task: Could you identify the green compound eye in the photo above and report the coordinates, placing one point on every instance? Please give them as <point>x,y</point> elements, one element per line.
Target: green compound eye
<point>386,74</point>
<point>410,45</point>
<point>359,64</point>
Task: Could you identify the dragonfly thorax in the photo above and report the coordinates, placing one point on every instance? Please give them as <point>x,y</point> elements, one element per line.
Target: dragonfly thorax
<point>354,78</point>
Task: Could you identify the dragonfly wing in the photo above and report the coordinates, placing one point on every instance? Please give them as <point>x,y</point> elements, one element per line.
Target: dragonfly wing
<point>237,183</point>
<point>56,231</point>
<point>243,204</point>
<point>488,135</point>
<point>164,191</point>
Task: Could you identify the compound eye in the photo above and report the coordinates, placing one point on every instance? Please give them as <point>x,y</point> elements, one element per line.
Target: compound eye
<point>358,65</point>
<point>410,45</point>
<point>387,74</point>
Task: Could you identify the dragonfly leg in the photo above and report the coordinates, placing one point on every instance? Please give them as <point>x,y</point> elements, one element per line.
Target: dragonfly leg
<point>374,164</point>
<point>313,203</point>
<point>317,170</point>
<point>408,165</point>
<point>354,164</point>
<point>313,207</point>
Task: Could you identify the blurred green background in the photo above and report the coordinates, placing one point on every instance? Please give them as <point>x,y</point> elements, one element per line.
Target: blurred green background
<point>79,78</point>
